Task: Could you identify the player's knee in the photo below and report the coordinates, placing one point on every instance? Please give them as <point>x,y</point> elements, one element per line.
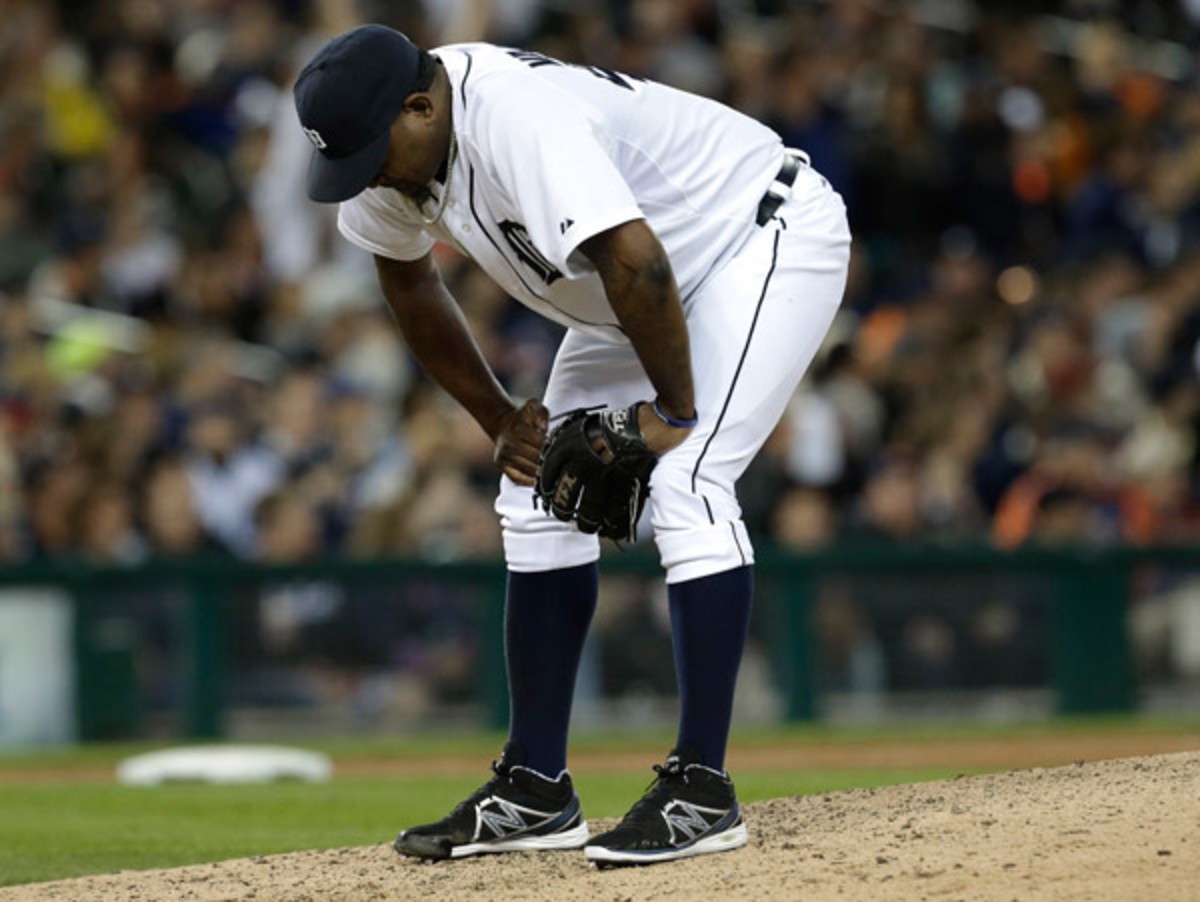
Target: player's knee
<point>697,523</point>
<point>681,499</point>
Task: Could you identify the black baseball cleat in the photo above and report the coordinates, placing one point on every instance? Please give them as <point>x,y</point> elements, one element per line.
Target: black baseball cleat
<point>689,810</point>
<point>518,810</point>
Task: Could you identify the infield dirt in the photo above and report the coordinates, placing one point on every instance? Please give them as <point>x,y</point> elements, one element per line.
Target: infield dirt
<point>1120,829</point>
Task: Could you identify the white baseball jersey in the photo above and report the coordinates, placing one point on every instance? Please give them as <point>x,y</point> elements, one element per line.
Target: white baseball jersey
<point>550,154</point>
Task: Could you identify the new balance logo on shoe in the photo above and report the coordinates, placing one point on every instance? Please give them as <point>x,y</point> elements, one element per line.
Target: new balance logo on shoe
<point>505,818</point>
<point>685,821</point>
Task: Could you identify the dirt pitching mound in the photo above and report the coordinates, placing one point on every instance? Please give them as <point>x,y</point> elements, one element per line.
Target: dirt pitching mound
<point>1111,829</point>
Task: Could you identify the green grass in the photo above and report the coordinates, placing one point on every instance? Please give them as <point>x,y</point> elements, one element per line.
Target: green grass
<point>52,828</point>
<point>51,831</point>
<point>486,745</point>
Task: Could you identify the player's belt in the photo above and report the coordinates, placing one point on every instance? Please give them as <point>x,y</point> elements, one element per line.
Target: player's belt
<point>781,187</point>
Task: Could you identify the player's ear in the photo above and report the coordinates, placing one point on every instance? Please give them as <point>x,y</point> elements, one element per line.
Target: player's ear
<point>419,104</point>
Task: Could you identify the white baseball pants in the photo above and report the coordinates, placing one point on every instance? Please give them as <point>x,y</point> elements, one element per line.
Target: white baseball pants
<point>754,328</point>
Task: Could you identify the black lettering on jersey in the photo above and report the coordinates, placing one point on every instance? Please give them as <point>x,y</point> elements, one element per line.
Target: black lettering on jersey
<point>611,76</point>
<point>534,60</point>
<point>518,239</point>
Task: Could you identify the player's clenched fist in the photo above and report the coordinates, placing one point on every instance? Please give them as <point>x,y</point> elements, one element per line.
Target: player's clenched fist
<point>519,441</point>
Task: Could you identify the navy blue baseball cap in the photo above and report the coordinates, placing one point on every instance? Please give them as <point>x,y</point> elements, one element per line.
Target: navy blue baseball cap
<point>347,98</point>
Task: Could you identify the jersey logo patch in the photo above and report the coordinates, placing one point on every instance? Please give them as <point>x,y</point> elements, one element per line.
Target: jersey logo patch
<point>518,239</point>
<point>565,224</point>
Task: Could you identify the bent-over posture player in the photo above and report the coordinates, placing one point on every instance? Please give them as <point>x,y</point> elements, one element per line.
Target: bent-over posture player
<point>696,264</point>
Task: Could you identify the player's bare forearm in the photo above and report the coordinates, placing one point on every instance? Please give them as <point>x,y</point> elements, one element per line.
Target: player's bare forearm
<point>641,288</point>
<point>434,328</point>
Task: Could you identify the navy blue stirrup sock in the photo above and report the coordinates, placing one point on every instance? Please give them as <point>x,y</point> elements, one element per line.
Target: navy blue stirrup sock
<point>709,620</point>
<point>546,618</point>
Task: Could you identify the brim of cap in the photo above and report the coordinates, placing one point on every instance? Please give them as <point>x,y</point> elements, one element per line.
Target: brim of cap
<point>331,181</point>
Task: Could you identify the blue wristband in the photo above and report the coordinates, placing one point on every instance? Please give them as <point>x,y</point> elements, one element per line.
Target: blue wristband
<point>671,421</point>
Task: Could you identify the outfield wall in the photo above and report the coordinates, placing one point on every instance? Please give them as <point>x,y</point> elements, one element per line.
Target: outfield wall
<point>218,647</point>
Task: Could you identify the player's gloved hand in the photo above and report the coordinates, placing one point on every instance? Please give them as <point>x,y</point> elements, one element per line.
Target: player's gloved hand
<point>595,469</point>
<point>519,436</point>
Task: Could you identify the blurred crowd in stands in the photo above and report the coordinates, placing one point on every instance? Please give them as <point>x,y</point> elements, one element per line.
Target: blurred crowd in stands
<point>193,361</point>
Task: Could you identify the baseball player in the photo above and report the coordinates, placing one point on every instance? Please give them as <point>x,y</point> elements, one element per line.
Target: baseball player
<point>696,264</point>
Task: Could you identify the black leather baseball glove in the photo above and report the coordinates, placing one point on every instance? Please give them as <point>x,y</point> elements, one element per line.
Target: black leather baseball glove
<point>595,469</point>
